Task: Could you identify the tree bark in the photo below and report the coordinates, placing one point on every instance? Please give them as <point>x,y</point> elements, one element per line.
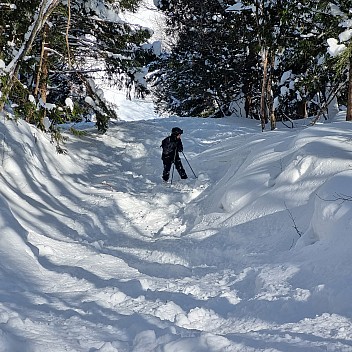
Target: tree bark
<point>247,89</point>
<point>349,100</point>
<point>302,109</point>
<point>67,30</point>
<point>248,104</point>
<point>270,97</point>
<point>263,115</point>
<point>43,81</point>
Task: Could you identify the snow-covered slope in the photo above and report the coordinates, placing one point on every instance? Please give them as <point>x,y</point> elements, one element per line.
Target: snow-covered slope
<point>253,255</point>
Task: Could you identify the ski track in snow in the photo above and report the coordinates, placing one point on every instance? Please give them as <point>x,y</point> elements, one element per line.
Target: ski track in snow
<point>108,258</point>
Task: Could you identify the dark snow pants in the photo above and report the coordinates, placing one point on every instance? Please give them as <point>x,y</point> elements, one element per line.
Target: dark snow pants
<point>178,165</point>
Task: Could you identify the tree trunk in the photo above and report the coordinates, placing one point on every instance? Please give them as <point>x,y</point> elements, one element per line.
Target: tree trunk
<point>263,114</point>
<point>43,80</point>
<point>45,9</point>
<point>269,93</point>
<point>248,104</point>
<point>302,109</point>
<point>349,101</point>
<point>67,31</point>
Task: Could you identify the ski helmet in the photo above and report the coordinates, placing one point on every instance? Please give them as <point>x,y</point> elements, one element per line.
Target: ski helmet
<point>176,131</point>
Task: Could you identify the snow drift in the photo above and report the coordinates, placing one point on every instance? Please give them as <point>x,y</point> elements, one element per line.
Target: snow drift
<point>253,255</point>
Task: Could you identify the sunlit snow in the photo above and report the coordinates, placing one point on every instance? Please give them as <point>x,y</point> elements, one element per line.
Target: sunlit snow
<point>97,254</point>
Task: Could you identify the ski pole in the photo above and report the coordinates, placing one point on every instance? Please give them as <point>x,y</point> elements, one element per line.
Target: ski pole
<point>172,173</point>
<point>189,164</point>
<point>173,167</point>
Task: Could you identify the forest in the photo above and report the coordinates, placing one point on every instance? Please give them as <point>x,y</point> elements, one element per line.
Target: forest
<point>250,253</point>
<point>265,60</point>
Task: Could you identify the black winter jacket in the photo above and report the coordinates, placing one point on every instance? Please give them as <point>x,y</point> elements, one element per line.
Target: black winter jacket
<point>171,147</point>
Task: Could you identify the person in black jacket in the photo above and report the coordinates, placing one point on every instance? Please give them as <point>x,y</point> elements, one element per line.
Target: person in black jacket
<point>172,145</point>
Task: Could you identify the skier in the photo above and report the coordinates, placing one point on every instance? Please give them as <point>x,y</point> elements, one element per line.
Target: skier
<point>172,145</point>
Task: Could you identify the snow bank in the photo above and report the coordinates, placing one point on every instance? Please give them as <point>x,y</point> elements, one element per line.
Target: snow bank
<point>253,255</point>
<point>332,216</point>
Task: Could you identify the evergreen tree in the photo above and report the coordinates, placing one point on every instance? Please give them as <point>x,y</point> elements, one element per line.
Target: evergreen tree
<point>340,11</point>
<point>272,33</point>
<point>269,56</point>
<point>305,62</point>
<point>22,42</point>
<point>200,75</point>
<point>297,75</point>
<point>80,38</point>
<point>103,43</point>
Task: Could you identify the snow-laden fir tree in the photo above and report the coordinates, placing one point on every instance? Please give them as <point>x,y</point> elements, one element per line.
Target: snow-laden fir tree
<point>268,56</point>
<point>66,50</point>
<point>199,77</point>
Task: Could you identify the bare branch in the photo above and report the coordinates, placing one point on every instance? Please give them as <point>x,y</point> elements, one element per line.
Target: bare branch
<point>293,221</point>
<point>338,196</point>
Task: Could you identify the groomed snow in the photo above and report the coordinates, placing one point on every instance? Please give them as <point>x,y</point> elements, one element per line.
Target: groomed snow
<point>253,255</point>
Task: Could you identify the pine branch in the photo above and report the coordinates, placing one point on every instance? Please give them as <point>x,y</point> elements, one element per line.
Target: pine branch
<point>78,71</point>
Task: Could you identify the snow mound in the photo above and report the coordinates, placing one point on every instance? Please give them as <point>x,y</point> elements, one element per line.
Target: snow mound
<point>254,254</point>
<point>332,216</point>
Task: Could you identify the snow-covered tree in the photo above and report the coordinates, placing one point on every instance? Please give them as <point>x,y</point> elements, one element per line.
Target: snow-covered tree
<point>199,77</point>
<point>278,51</point>
<point>298,78</point>
<point>308,82</point>
<point>268,55</point>
<point>79,39</point>
<point>22,46</point>
<point>341,48</point>
<point>97,40</point>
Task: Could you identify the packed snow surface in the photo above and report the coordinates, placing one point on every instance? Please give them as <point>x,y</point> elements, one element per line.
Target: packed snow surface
<point>97,254</point>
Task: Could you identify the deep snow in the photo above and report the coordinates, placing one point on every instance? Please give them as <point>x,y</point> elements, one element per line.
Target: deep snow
<point>253,255</point>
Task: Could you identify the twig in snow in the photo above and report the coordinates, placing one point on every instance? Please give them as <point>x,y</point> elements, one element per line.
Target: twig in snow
<point>294,223</point>
<point>337,196</point>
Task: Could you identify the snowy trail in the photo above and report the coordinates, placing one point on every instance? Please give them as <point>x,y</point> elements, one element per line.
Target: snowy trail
<point>104,257</point>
